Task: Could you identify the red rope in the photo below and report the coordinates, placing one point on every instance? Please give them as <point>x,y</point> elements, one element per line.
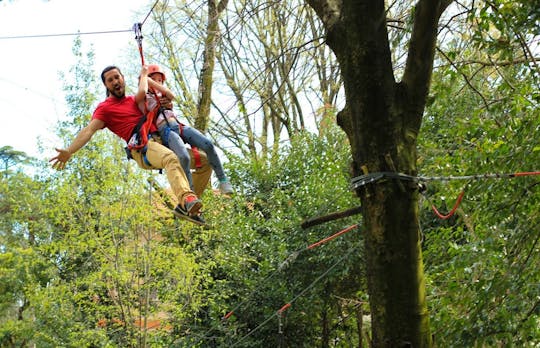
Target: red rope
<point>141,53</point>
<point>332,236</point>
<point>444,217</point>
<point>284,308</point>
<point>526,173</point>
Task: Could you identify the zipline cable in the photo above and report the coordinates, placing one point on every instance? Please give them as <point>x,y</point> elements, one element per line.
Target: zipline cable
<point>77,33</point>
<point>149,12</point>
<point>370,178</point>
<point>63,34</point>
<point>363,180</point>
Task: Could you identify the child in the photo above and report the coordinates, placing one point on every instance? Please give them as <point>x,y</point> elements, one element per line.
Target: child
<point>170,129</point>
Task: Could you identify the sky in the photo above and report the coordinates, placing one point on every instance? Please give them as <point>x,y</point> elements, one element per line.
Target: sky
<point>31,97</point>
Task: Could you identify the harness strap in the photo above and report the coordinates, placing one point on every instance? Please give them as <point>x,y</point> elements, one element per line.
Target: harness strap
<point>142,129</point>
<point>180,127</point>
<point>180,124</point>
<point>165,137</point>
<point>138,125</point>
<point>145,159</point>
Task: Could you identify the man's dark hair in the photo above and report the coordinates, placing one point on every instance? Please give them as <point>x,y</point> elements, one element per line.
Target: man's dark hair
<point>107,69</point>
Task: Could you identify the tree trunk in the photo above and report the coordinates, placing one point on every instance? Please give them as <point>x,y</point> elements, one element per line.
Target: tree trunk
<point>207,71</point>
<point>381,119</point>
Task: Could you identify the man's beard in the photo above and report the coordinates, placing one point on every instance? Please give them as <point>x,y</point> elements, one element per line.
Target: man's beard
<point>118,93</point>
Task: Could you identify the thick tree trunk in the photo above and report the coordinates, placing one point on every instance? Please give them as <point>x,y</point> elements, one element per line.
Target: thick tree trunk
<point>382,119</point>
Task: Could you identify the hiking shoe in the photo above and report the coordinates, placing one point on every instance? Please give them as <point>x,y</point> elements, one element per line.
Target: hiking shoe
<point>179,210</point>
<point>225,188</point>
<point>181,213</point>
<point>198,219</point>
<point>192,205</point>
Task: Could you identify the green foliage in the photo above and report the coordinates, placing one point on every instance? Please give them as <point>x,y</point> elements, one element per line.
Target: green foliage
<point>257,259</point>
<point>82,255</point>
<point>87,254</point>
<point>481,264</point>
<point>11,157</point>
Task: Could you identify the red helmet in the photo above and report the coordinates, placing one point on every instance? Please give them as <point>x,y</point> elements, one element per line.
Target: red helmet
<point>154,68</point>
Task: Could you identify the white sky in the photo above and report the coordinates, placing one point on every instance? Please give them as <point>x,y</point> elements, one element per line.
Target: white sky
<point>31,98</point>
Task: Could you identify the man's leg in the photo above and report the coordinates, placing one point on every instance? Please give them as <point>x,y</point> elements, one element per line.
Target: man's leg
<point>203,172</point>
<point>161,157</point>
<point>176,144</point>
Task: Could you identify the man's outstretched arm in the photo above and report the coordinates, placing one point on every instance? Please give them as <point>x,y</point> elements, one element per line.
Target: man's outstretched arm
<point>83,137</point>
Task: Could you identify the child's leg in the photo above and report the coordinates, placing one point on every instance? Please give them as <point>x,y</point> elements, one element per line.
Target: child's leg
<point>175,143</point>
<point>195,138</point>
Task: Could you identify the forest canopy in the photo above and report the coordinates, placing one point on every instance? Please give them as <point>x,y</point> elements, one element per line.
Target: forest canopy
<point>90,256</point>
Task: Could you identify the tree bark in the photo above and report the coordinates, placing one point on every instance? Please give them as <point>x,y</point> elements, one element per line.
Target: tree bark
<point>382,118</point>
<point>209,57</point>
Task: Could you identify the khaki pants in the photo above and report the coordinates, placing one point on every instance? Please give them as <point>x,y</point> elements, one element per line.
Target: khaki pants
<point>201,175</point>
<point>161,157</point>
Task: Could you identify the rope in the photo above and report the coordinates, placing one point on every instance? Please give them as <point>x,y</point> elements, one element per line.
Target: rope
<point>363,180</point>
<point>314,245</point>
<point>291,258</point>
<point>294,255</point>
<point>288,304</point>
<point>456,205</point>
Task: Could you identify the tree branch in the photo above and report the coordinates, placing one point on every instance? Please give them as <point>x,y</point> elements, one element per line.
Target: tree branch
<point>330,217</point>
<point>465,77</point>
<point>419,64</point>
<point>327,10</point>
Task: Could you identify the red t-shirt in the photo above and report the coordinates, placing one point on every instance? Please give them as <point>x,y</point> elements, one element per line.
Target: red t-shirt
<point>120,115</point>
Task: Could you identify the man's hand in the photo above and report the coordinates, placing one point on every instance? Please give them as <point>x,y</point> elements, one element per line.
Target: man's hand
<point>84,136</point>
<point>60,160</point>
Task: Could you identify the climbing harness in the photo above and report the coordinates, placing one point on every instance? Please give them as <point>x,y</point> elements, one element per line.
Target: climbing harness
<point>170,119</point>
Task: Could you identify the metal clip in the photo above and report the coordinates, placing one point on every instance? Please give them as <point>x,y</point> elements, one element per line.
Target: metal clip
<point>138,33</point>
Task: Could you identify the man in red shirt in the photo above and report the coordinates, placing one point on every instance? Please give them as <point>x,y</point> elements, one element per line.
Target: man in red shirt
<point>120,114</point>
